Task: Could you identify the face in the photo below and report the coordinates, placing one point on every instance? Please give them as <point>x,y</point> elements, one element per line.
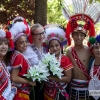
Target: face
<point>21,44</point>
<point>78,38</point>
<point>54,47</point>
<point>3,48</point>
<point>38,35</point>
<point>96,50</point>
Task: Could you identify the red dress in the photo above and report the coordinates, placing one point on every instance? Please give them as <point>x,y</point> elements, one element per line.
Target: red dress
<point>19,61</point>
<point>50,88</point>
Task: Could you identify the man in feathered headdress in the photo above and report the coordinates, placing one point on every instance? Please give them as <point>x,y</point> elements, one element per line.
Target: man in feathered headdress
<point>80,54</point>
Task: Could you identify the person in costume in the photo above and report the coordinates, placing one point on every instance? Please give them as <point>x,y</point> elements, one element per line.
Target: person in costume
<point>55,88</point>
<point>81,22</point>
<point>34,54</point>
<point>26,29</point>
<point>94,83</point>
<point>7,92</point>
<point>19,63</point>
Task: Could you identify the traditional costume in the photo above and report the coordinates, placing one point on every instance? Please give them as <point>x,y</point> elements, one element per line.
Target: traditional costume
<point>94,83</point>
<point>57,90</point>
<point>18,60</point>
<point>7,92</point>
<point>86,14</point>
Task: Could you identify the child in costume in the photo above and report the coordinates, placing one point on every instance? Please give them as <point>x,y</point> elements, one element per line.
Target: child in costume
<point>55,88</point>
<point>19,63</point>
<point>94,83</point>
<point>7,92</point>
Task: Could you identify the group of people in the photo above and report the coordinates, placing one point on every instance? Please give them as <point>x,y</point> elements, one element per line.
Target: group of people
<point>22,47</point>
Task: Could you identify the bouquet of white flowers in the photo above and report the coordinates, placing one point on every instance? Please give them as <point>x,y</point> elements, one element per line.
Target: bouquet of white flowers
<point>52,64</point>
<point>38,73</point>
<point>48,65</point>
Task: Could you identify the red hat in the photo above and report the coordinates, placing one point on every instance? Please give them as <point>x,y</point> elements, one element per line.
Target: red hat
<point>80,12</point>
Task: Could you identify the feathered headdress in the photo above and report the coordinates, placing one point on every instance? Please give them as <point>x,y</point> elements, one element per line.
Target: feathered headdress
<point>19,25</point>
<point>7,35</point>
<point>80,10</point>
<point>54,32</point>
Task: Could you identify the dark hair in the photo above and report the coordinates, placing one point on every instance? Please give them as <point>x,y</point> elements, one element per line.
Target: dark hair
<point>7,57</point>
<point>59,43</point>
<point>79,32</point>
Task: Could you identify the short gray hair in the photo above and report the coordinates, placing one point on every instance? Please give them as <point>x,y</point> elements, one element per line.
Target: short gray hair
<point>35,26</point>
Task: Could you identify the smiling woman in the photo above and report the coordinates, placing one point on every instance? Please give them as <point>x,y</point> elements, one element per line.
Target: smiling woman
<point>18,62</point>
<point>6,91</point>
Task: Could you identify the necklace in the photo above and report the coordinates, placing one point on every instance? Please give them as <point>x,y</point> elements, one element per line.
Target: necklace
<point>95,78</point>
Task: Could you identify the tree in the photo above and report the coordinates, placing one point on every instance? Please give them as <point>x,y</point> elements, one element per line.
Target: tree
<point>11,8</point>
<point>54,14</point>
<point>40,15</point>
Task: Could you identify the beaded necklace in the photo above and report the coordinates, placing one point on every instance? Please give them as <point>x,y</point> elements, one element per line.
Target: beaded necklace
<point>95,78</point>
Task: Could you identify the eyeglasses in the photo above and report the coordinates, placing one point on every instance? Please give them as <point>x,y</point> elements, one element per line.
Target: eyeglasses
<point>38,34</point>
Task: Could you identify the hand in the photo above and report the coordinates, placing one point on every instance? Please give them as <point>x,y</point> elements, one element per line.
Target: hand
<point>50,77</point>
<point>32,83</point>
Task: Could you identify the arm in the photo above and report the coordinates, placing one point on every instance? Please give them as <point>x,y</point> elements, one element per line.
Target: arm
<point>66,78</point>
<point>17,79</point>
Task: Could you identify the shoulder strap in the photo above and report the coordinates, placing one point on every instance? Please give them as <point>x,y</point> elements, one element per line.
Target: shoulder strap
<point>79,63</point>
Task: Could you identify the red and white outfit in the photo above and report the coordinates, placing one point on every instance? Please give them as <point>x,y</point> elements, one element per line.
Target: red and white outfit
<point>6,92</point>
<point>18,60</point>
<point>94,83</point>
<point>52,88</point>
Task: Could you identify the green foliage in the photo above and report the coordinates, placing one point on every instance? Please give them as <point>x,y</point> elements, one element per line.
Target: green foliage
<point>95,0</point>
<point>54,13</point>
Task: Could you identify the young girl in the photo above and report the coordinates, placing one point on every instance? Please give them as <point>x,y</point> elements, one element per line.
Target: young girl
<point>19,62</point>
<point>6,91</point>
<point>55,87</point>
<point>94,83</point>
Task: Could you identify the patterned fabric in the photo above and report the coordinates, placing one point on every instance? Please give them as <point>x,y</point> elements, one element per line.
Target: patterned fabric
<point>38,52</point>
<point>94,83</point>
<point>18,60</point>
<point>6,92</point>
<point>79,90</point>
<point>79,63</point>
<point>21,96</point>
<point>52,87</point>
<point>79,95</point>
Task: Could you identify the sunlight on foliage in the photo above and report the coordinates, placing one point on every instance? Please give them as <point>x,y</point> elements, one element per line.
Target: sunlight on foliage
<point>54,13</point>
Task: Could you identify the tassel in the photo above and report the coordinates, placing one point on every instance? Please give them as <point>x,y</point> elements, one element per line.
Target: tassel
<point>11,44</point>
<point>27,32</point>
<point>68,31</point>
<point>30,38</point>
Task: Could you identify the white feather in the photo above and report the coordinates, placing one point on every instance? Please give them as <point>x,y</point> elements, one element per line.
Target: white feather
<point>17,28</point>
<point>55,30</point>
<point>2,33</point>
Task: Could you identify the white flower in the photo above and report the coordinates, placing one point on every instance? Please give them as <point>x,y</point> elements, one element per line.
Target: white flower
<point>38,73</point>
<point>52,63</point>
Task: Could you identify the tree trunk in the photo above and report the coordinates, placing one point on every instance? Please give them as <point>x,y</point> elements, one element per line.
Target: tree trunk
<point>40,15</point>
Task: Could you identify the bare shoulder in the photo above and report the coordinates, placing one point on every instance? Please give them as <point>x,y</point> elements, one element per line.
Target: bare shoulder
<point>86,48</point>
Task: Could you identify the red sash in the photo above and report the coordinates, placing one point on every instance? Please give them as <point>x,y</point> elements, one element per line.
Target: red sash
<point>79,63</point>
<point>3,81</point>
